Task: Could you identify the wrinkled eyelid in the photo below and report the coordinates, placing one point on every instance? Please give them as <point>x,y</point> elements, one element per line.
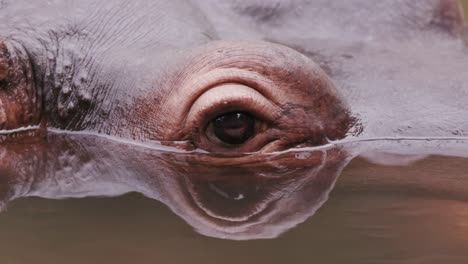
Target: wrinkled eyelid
<point>228,98</point>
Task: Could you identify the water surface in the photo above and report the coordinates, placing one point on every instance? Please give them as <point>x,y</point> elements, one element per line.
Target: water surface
<point>392,203</point>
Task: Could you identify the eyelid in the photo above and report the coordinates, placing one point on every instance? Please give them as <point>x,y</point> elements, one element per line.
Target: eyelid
<point>230,97</point>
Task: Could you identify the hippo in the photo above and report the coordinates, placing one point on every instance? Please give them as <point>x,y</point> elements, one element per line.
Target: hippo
<point>286,73</point>
<point>188,102</point>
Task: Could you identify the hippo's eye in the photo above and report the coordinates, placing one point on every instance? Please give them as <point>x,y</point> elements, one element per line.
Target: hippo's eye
<point>231,118</point>
<point>234,128</point>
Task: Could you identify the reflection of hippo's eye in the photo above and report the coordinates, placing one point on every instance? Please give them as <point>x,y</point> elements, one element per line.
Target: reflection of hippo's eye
<point>234,128</point>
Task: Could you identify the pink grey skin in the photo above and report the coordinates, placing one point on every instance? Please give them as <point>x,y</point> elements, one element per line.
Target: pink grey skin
<point>308,72</point>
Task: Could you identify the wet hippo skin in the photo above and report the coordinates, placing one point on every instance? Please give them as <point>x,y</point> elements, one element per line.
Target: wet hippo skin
<point>235,76</point>
<point>248,85</point>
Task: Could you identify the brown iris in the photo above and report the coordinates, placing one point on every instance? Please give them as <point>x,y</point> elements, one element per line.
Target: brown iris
<point>234,128</point>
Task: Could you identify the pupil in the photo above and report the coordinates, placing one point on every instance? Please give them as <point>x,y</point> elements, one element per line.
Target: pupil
<point>234,128</point>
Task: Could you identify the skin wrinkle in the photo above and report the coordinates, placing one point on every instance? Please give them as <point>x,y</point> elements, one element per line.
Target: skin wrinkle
<point>230,76</point>
<point>239,92</point>
<point>210,67</point>
<point>71,89</point>
<point>202,80</point>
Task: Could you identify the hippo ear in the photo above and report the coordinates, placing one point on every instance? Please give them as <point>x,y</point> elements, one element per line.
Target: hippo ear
<point>19,100</point>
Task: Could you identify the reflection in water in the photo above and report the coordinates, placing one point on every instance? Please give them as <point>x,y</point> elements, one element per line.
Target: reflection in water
<point>247,197</point>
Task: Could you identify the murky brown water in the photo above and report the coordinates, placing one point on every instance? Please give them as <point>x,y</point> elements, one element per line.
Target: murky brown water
<point>412,210</point>
<point>465,4</point>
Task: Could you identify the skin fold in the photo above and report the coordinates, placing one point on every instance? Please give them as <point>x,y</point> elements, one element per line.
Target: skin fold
<point>121,96</point>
